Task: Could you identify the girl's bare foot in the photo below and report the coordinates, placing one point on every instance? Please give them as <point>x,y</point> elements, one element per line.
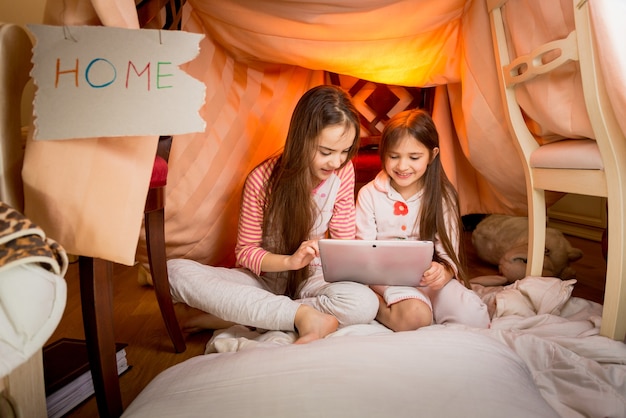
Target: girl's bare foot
<point>313,325</point>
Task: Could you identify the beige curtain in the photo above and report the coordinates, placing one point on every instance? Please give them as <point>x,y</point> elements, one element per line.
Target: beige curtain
<point>89,194</point>
<point>256,60</point>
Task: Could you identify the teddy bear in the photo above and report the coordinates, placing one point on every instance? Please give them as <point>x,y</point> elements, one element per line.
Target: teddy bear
<point>502,240</point>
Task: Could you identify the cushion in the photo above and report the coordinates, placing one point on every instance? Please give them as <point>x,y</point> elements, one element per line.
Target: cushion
<point>32,301</point>
<point>159,172</point>
<point>569,153</point>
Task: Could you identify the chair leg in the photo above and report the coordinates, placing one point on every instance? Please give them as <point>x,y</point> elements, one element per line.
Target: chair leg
<point>614,305</point>
<point>96,294</point>
<point>536,231</point>
<point>155,240</point>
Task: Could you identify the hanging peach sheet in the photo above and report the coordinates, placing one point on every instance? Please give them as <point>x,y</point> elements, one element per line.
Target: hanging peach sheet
<point>257,59</point>
<point>89,194</point>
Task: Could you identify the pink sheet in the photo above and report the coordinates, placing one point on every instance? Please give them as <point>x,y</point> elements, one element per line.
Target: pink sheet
<point>89,194</point>
<point>258,58</point>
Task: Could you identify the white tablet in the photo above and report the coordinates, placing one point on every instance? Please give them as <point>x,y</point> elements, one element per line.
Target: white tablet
<point>379,262</point>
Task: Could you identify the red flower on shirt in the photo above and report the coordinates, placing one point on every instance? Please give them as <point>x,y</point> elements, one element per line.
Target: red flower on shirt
<point>400,209</point>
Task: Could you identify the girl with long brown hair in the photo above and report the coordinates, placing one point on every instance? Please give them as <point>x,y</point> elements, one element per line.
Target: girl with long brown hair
<point>289,202</point>
<point>412,198</point>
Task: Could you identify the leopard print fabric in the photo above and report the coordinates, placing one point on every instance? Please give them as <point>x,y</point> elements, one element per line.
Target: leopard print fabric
<point>21,241</point>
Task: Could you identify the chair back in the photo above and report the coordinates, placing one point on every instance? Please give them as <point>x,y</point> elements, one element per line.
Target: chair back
<point>15,66</point>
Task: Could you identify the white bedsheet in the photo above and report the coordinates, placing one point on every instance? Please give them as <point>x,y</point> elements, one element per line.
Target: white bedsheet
<point>428,373</point>
<point>542,357</point>
<point>578,372</point>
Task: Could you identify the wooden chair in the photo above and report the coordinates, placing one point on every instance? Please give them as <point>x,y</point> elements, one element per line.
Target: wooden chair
<point>15,48</point>
<point>96,274</point>
<point>97,296</point>
<point>595,167</point>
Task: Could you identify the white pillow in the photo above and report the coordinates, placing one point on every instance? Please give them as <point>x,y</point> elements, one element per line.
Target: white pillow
<point>432,372</point>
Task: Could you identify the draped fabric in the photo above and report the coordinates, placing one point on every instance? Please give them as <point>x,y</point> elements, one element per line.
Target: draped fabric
<point>89,194</point>
<point>257,59</point>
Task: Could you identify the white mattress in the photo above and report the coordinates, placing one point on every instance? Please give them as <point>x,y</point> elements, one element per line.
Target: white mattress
<point>442,373</point>
<point>542,357</point>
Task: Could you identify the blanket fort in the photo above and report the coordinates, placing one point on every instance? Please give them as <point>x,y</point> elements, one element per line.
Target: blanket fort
<point>95,81</point>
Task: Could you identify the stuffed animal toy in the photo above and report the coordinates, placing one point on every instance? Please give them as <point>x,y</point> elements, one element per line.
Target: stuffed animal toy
<point>502,240</point>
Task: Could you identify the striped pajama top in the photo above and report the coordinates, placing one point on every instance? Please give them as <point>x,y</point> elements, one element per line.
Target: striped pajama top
<point>334,199</point>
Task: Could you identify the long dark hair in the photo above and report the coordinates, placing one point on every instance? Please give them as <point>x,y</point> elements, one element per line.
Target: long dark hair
<point>289,209</point>
<point>439,193</point>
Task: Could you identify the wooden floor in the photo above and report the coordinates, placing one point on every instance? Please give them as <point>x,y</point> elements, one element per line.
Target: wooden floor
<point>138,322</point>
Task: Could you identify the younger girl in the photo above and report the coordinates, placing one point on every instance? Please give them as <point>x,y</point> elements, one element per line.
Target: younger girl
<point>289,202</point>
<point>411,198</point>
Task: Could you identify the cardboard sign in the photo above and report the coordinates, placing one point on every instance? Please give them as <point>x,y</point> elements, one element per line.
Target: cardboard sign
<point>96,81</point>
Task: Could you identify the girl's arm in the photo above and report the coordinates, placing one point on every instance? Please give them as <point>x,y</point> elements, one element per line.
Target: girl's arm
<point>248,251</point>
<point>342,223</point>
<point>303,256</point>
<point>437,276</point>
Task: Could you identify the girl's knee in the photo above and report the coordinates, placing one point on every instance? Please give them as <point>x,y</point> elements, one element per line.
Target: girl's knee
<point>476,313</point>
<point>356,303</point>
<point>410,314</point>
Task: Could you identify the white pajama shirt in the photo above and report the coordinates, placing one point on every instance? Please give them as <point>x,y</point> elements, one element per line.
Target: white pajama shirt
<point>382,213</point>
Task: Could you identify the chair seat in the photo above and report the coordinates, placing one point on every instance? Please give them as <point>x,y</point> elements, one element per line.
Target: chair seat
<point>159,172</point>
<point>582,154</point>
